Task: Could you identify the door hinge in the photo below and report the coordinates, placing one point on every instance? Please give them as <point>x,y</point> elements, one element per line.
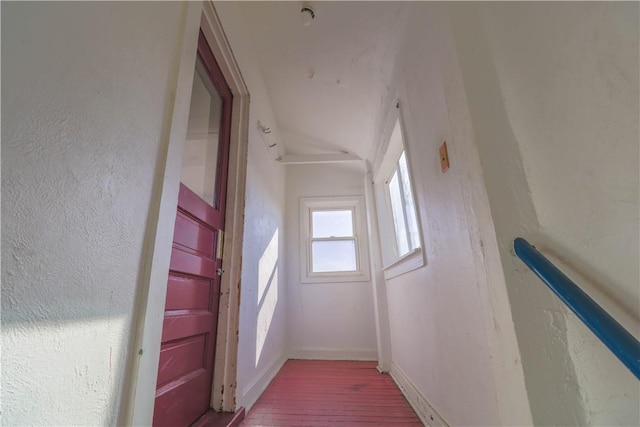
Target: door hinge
<point>220,244</point>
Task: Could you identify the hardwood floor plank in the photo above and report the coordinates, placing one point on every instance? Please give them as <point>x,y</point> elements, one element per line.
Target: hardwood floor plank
<point>316,393</point>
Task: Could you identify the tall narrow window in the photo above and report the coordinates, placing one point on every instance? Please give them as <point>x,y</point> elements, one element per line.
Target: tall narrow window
<point>403,208</point>
<point>333,239</point>
<point>397,210</point>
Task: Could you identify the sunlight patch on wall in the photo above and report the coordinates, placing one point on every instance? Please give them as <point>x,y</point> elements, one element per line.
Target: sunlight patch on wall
<point>267,293</point>
<point>267,265</point>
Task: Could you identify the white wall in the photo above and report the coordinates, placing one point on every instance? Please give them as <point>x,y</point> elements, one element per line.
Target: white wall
<point>540,326</point>
<point>325,320</point>
<point>261,349</point>
<point>539,107</point>
<point>452,335</point>
<point>86,100</point>
<point>565,79</point>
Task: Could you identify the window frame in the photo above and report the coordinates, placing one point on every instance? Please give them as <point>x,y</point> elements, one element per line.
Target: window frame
<point>354,203</point>
<point>387,164</point>
<point>405,214</point>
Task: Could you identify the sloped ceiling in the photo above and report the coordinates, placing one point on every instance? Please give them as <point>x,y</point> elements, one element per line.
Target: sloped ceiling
<point>326,81</point>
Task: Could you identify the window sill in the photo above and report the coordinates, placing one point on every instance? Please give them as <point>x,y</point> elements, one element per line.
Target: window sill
<point>404,264</point>
<point>335,278</point>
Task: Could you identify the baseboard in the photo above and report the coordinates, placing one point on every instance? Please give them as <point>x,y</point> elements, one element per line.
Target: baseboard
<point>238,417</point>
<point>254,389</point>
<point>220,419</point>
<point>324,354</point>
<point>428,415</point>
<point>383,367</point>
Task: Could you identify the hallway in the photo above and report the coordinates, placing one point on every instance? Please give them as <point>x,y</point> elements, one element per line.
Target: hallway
<point>381,158</point>
<point>331,393</point>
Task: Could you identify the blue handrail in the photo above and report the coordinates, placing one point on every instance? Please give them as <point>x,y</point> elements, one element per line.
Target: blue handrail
<point>611,333</point>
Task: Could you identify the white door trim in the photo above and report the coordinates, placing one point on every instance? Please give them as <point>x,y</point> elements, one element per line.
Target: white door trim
<point>224,374</point>
<point>138,396</point>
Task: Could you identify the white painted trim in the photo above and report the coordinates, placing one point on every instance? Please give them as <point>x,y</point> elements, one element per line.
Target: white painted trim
<point>139,394</point>
<point>138,397</point>
<point>329,354</point>
<point>358,206</point>
<point>408,262</point>
<point>303,159</point>
<point>378,284</point>
<point>255,388</point>
<point>428,415</point>
<point>393,150</point>
<point>214,33</point>
<point>394,141</point>
<point>223,395</point>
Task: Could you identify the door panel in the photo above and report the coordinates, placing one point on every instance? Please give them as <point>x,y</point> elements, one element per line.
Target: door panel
<point>198,208</point>
<point>193,236</point>
<point>189,328</point>
<point>188,292</point>
<point>184,262</point>
<point>178,409</point>
<point>190,324</point>
<point>180,358</point>
<point>186,323</point>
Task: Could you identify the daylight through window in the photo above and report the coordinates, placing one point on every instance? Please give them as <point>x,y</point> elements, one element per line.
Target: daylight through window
<point>397,210</point>
<point>333,243</point>
<point>403,208</point>
<point>333,239</point>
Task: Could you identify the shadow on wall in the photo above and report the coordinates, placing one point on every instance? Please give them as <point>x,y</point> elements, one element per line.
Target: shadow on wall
<point>68,309</point>
<point>619,301</point>
<point>96,373</point>
<point>538,316</point>
<point>81,200</point>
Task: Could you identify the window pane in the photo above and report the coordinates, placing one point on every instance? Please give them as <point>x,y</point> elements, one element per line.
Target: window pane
<point>410,209</point>
<point>332,223</point>
<point>201,147</point>
<point>333,256</point>
<point>398,214</point>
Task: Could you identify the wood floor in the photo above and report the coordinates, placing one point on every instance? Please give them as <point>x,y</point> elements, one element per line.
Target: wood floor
<point>331,393</point>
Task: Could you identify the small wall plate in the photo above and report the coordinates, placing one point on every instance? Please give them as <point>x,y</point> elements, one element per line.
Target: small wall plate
<point>444,157</point>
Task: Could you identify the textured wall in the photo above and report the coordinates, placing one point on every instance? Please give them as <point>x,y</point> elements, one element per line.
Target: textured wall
<point>568,74</point>
<point>450,326</point>
<point>325,319</point>
<point>553,96</point>
<point>85,90</point>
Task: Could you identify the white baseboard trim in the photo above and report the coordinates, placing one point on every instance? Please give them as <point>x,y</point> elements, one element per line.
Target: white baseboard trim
<point>255,388</point>
<point>383,367</point>
<point>325,354</point>
<point>428,415</point>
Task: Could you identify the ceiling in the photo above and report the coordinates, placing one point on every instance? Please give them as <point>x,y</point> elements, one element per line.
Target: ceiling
<point>326,81</point>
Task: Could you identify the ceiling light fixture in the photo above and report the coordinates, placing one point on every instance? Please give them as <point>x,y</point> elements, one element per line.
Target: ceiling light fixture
<point>307,14</point>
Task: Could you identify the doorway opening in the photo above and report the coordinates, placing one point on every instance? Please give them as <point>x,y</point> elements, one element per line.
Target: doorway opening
<point>138,398</point>
<point>189,331</point>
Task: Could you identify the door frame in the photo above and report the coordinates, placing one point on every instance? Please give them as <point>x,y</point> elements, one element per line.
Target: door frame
<point>138,396</point>
<point>224,374</point>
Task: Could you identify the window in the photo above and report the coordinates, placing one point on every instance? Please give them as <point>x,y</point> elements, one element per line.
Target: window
<point>403,208</point>
<point>333,239</point>
<point>397,213</point>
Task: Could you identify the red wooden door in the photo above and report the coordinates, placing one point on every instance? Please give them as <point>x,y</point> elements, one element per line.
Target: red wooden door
<point>189,328</point>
